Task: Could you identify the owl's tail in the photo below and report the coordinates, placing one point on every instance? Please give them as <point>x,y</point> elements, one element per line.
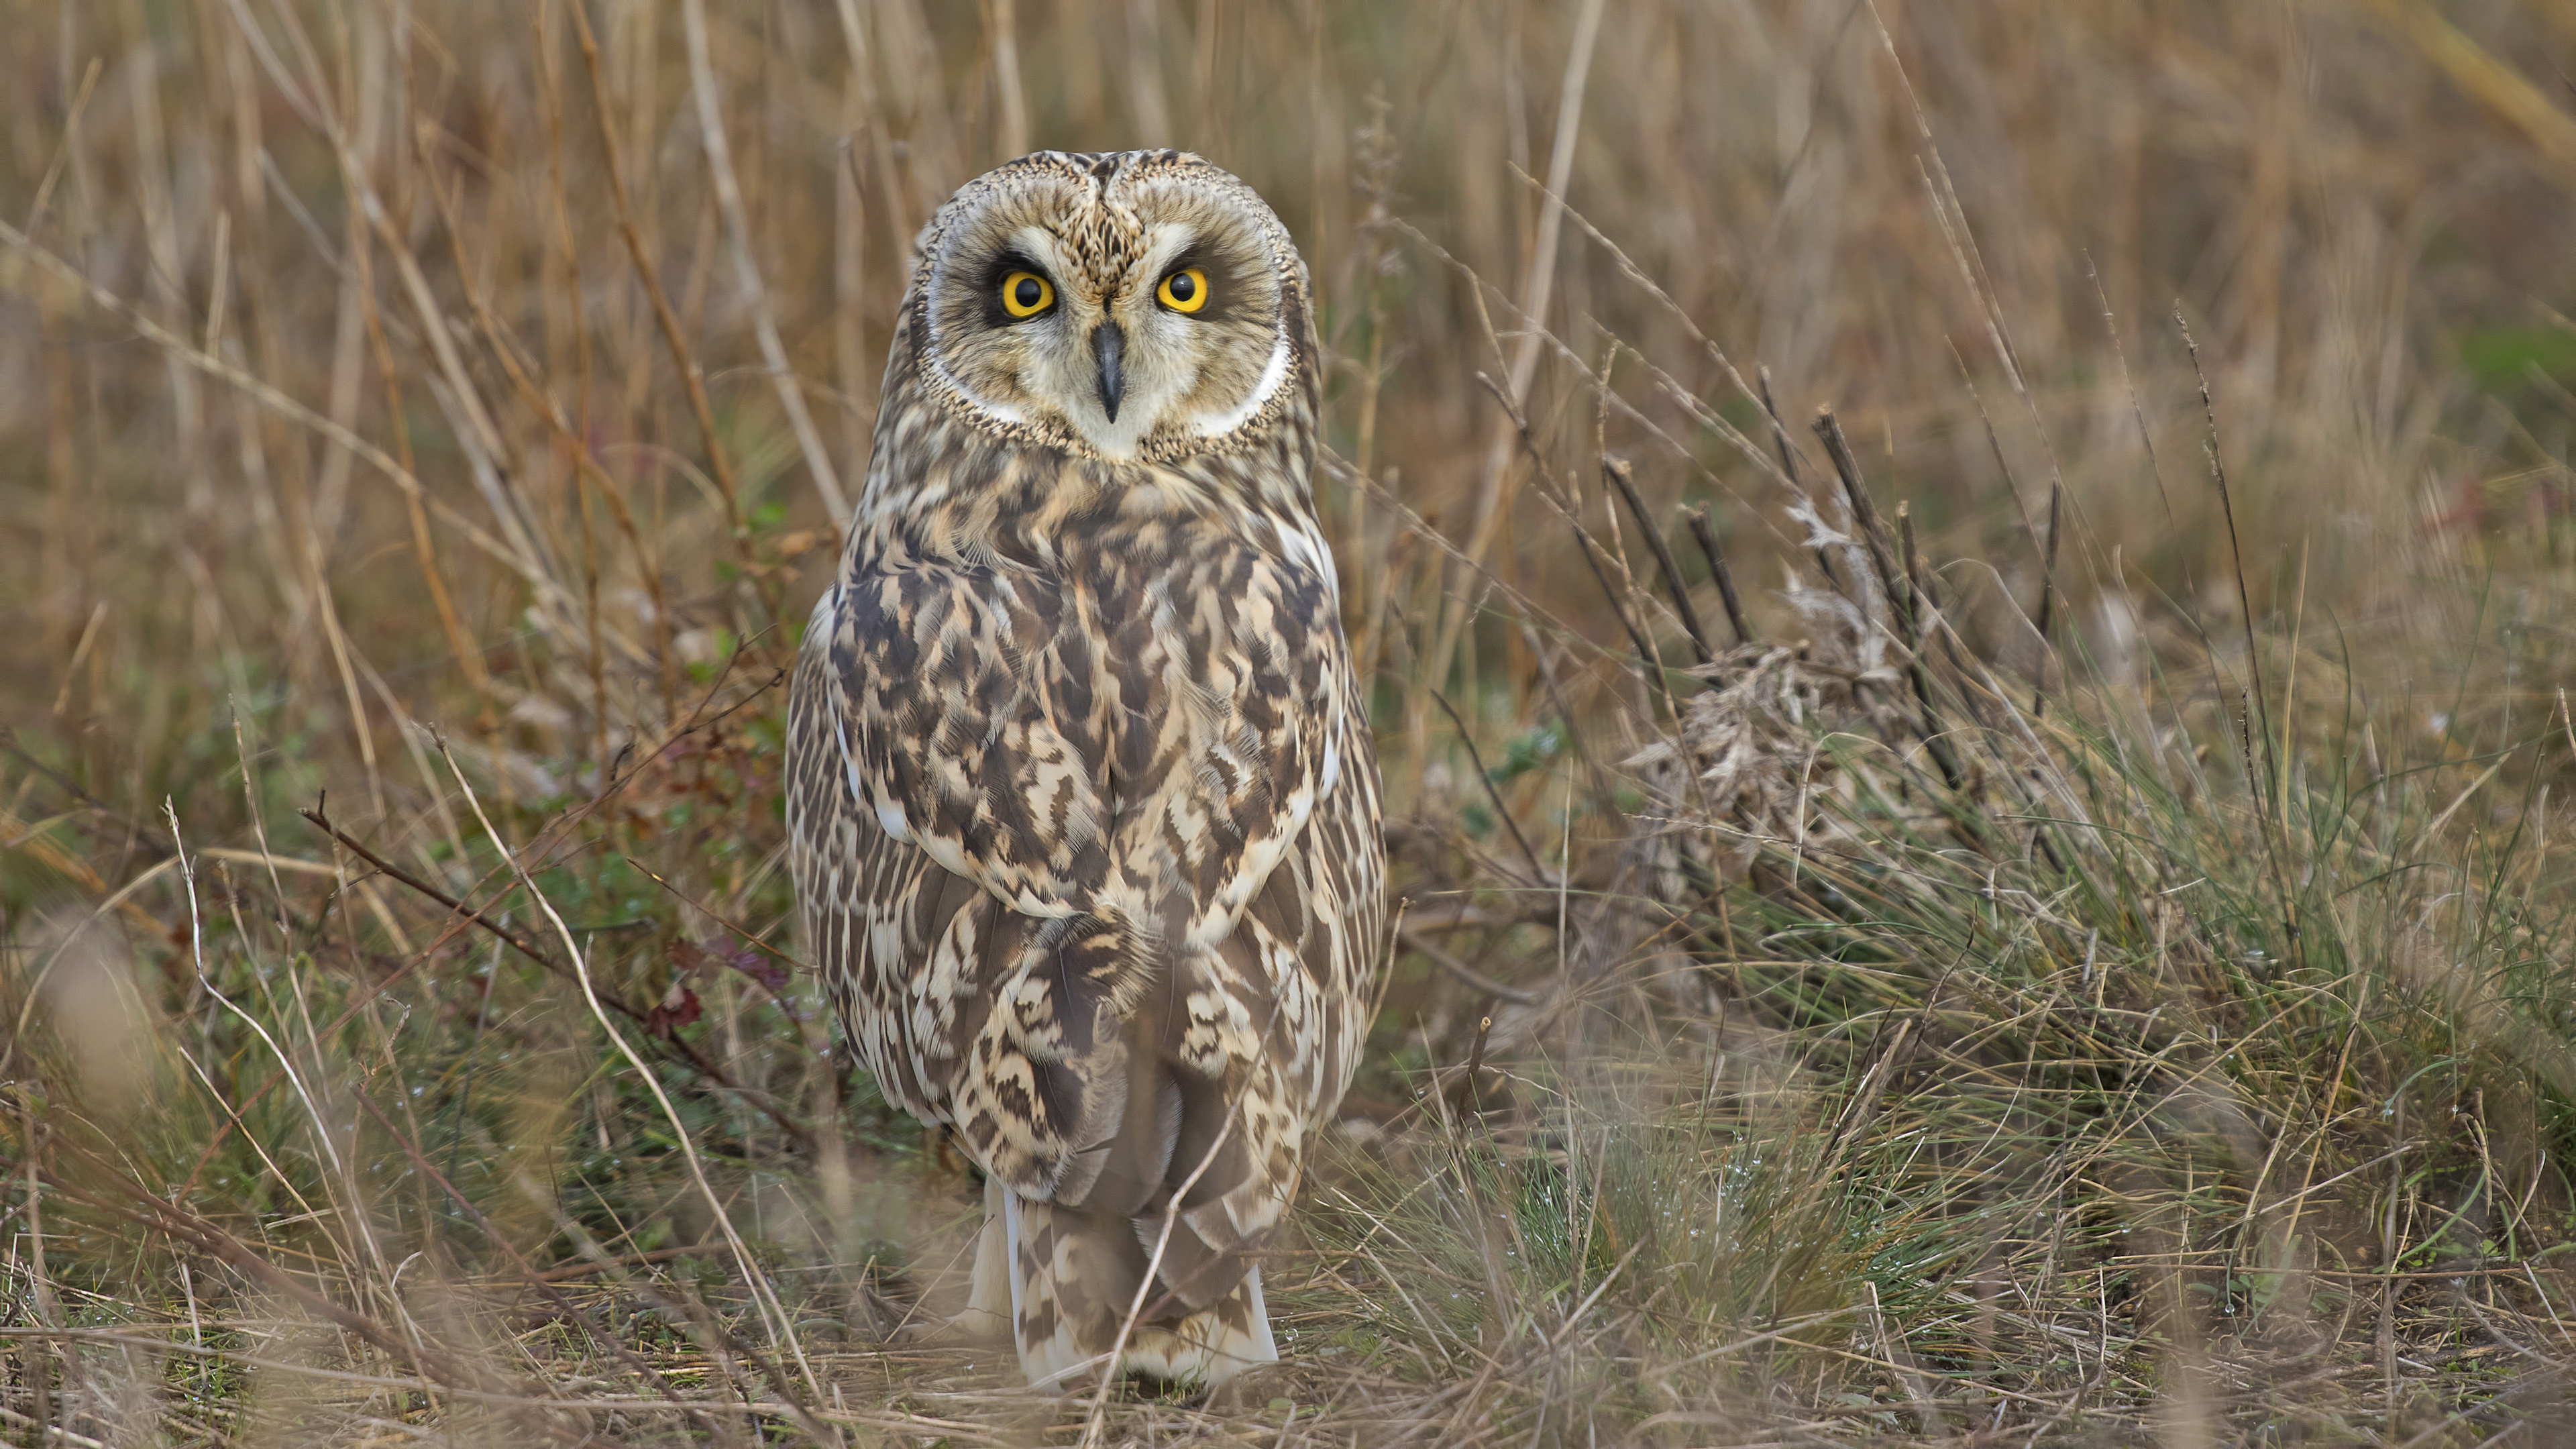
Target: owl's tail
<point>1070,1285</point>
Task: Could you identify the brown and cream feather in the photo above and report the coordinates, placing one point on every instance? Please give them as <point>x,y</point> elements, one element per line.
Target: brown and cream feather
<point>1083,804</point>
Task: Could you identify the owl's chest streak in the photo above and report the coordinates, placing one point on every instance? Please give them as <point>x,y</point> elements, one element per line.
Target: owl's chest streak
<point>1025,719</point>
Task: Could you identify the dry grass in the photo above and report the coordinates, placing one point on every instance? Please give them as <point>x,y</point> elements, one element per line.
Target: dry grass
<point>2082,956</point>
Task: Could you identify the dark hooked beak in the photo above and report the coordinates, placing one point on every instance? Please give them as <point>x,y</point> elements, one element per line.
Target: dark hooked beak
<point>1107,345</point>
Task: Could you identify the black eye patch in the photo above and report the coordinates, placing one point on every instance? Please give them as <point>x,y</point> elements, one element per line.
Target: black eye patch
<point>997,297</point>
<point>1225,298</point>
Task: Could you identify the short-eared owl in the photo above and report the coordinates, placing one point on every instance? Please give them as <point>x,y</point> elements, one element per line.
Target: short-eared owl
<point>1083,803</point>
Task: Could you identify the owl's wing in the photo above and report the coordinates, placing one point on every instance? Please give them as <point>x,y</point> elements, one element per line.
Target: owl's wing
<point>966,719</point>
<point>1120,765</point>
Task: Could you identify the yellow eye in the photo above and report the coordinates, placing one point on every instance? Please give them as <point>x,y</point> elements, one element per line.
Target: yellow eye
<point>1026,294</point>
<point>1184,291</point>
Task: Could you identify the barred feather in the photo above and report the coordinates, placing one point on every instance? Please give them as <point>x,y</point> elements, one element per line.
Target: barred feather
<point>1083,804</point>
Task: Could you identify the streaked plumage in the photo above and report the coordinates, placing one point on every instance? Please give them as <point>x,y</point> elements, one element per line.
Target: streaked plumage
<point>1082,801</point>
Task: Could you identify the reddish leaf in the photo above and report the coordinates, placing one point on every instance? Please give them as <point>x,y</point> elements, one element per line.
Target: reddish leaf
<point>692,959</point>
<point>677,1010</point>
<point>711,959</point>
<point>765,969</point>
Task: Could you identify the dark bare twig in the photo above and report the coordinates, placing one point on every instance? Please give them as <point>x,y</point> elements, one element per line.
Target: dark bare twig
<point>1900,595</point>
<point>1829,429</point>
<point>1646,657</point>
<point>1706,534</point>
<point>544,842</point>
<point>1618,471</point>
<point>2047,598</point>
<point>1467,1096</point>
<point>684,898</point>
<point>322,822</point>
<point>796,1131</point>
<point>1917,597</point>
<point>1789,467</point>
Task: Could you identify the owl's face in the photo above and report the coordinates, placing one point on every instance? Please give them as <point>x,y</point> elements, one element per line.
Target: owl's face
<point>1139,304</point>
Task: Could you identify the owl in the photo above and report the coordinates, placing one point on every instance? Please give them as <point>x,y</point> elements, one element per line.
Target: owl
<point>1082,801</point>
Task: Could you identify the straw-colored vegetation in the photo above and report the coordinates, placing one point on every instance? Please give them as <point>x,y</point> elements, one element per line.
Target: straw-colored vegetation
<point>2073,945</point>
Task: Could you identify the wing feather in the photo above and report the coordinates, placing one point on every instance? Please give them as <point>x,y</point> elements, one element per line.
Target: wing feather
<point>1098,774</point>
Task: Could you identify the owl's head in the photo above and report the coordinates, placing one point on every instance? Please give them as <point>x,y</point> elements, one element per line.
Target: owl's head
<point>1137,304</point>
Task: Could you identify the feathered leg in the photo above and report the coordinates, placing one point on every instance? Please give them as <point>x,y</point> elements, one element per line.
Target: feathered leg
<point>988,1286</point>
<point>1209,1346</point>
<point>1071,1288</point>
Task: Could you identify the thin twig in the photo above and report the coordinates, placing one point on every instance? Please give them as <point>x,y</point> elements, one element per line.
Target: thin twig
<point>2276,830</point>
<point>1789,470</point>
<point>1706,534</point>
<point>1538,873</point>
<point>797,1132</point>
<point>2048,598</point>
<point>1900,598</point>
<point>1618,471</point>
<point>1415,939</point>
<point>1583,543</point>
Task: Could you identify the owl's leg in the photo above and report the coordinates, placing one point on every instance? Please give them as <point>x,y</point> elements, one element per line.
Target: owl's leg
<point>1209,1346</point>
<point>1059,1298</point>
<point>1073,1279</point>
<point>988,1285</point>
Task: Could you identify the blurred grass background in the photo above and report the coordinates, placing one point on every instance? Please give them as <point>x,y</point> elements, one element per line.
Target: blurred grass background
<point>411,412</point>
